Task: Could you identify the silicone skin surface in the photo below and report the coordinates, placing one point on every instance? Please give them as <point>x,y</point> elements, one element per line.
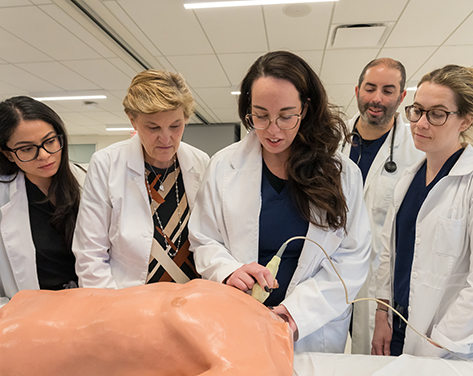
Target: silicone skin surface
<point>199,328</point>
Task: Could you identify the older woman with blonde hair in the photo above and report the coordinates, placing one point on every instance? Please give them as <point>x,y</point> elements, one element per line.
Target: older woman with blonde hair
<point>426,266</point>
<point>132,222</point>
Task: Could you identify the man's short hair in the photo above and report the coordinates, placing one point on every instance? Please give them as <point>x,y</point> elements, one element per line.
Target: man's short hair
<point>388,62</point>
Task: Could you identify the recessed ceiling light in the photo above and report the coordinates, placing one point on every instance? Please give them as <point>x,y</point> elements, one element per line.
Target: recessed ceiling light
<point>413,88</point>
<point>70,98</point>
<point>224,4</point>
<point>236,92</point>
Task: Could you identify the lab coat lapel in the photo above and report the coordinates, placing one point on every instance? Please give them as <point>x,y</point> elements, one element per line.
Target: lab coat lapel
<point>246,172</point>
<point>378,163</point>
<point>136,165</point>
<point>17,238</point>
<point>190,176</point>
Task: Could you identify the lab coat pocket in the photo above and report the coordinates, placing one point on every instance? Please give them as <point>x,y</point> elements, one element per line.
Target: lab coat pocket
<point>383,195</point>
<point>449,238</point>
<point>425,348</point>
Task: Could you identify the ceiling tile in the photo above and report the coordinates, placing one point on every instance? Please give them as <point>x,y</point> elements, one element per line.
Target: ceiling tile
<point>463,35</point>
<point>77,30</point>
<point>14,50</point>
<point>236,65</point>
<point>218,97</point>
<point>105,117</point>
<point>223,27</point>
<point>124,67</point>
<point>200,70</point>
<point>36,28</point>
<point>21,79</point>
<point>131,26</point>
<point>173,29</point>
<point>443,56</point>
<point>367,11</point>
<point>411,57</point>
<point>433,27</point>
<point>14,3</point>
<point>59,75</point>
<point>340,95</point>
<point>335,69</point>
<point>101,72</point>
<point>314,58</point>
<point>298,33</point>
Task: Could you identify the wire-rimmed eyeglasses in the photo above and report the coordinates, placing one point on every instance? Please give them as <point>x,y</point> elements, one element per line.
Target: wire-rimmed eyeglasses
<point>434,116</point>
<point>29,153</point>
<point>284,122</point>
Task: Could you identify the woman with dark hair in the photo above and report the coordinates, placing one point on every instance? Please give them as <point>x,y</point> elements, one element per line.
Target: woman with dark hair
<point>286,179</point>
<point>39,199</point>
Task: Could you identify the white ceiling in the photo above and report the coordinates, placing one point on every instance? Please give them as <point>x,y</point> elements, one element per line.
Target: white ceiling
<point>51,47</point>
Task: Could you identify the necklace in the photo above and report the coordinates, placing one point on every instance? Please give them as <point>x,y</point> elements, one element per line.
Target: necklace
<point>163,177</point>
<point>170,251</point>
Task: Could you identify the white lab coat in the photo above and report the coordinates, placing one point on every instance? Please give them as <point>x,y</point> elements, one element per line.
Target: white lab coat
<point>378,191</point>
<point>17,250</point>
<point>114,229</point>
<point>224,234</point>
<point>441,286</point>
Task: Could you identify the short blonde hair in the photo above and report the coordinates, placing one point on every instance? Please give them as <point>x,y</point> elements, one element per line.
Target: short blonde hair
<point>153,91</point>
<point>460,80</point>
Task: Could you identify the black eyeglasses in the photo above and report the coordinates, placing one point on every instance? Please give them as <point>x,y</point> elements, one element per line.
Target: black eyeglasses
<point>285,122</point>
<point>30,152</point>
<point>435,116</point>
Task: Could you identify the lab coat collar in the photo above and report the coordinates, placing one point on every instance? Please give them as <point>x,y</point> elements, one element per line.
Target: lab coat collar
<point>249,149</point>
<point>464,165</point>
<point>135,156</point>
<point>185,157</point>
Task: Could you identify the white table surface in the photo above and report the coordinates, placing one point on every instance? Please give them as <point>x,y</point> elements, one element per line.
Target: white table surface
<point>315,364</point>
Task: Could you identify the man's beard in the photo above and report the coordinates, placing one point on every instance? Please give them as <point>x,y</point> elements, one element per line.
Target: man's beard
<point>381,121</point>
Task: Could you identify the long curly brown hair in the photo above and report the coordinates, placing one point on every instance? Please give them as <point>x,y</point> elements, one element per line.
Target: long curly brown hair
<point>313,169</point>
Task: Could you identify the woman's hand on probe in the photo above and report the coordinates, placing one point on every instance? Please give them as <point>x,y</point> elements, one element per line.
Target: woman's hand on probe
<point>282,311</point>
<point>381,344</point>
<point>246,276</point>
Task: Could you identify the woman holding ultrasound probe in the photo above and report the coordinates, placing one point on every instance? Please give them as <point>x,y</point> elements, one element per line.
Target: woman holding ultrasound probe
<point>286,179</point>
<point>426,269</point>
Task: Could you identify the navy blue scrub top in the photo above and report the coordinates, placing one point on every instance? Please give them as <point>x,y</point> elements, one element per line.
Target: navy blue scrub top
<point>406,226</point>
<point>279,221</point>
<point>368,150</point>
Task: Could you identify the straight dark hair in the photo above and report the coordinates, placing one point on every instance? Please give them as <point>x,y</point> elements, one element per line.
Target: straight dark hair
<point>64,186</point>
<point>314,171</point>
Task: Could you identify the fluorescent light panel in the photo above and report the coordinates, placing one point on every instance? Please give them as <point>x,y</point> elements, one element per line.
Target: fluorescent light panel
<point>236,92</point>
<point>225,4</point>
<point>71,98</point>
<point>119,127</point>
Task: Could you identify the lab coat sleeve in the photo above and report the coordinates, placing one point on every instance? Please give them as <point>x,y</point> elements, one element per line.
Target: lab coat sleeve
<point>384,278</point>
<point>455,330</point>
<point>207,231</point>
<point>320,299</point>
<point>91,238</point>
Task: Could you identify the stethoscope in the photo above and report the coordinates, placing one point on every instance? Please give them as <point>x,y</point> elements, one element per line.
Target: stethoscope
<point>390,166</point>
